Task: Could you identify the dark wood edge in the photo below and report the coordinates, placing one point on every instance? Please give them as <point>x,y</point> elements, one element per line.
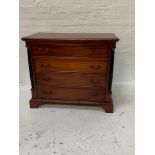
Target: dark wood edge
<point>70,40</point>
<point>111,69</point>
<point>71,87</point>
<point>70,72</point>
<point>108,106</point>
<point>30,42</point>
<point>51,101</point>
<point>104,75</point>
<point>30,67</point>
<point>71,58</point>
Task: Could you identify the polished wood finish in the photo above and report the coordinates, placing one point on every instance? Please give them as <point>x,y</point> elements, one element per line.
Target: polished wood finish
<point>71,50</point>
<point>76,37</point>
<point>55,65</point>
<point>71,79</point>
<point>70,68</point>
<point>70,93</point>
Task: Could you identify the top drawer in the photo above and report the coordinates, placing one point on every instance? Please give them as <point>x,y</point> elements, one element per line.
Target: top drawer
<point>94,50</point>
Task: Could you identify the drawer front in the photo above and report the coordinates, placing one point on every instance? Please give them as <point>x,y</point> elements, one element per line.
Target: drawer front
<point>70,80</point>
<point>71,50</point>
<point>71,93</point>
<point>52,65</point>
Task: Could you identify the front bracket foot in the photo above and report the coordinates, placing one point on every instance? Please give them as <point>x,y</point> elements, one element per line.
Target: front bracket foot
<point>34,104</point>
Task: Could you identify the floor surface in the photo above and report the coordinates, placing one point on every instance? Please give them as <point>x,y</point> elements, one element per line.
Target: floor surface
<point>78,130</point>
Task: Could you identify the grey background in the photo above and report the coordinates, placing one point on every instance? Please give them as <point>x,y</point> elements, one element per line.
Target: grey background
<point>82,16</point>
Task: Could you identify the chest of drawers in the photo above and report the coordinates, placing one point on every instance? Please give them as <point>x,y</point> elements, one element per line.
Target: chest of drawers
<point>69,68</point>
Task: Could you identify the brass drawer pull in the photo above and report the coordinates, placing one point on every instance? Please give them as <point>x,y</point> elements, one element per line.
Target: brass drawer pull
<point>46,79</point>
<point>47,93</point>
<point>95,67</point>
<point>45,65</point>
<point>94,81</point>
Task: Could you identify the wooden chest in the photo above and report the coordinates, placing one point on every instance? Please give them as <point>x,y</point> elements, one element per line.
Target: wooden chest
<point>69,68</point>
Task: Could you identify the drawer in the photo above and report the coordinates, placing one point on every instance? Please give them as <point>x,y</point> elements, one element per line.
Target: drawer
<point>53,65</point>
<point>71,79</point>
<point>71,50</point>
<point>66,93</point>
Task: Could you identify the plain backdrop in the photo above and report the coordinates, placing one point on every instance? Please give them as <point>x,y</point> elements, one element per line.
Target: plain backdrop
<point>145,74</point>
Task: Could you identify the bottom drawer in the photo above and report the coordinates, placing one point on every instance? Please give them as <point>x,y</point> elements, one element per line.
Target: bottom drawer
<point>64,93</point>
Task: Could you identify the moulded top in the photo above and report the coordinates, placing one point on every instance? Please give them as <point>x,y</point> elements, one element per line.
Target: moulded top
<point>72,37</point>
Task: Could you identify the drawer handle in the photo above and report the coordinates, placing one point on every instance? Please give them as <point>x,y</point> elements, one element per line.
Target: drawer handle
<point>95,94</point>
<point>45,66</point>
<point>47,93</point>
<point>95,81</point>
<point>95,67</point>
<point>43,49</point>
<point>46,79</point>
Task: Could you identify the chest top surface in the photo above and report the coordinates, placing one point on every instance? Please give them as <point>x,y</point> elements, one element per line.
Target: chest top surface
<point>72,37</point>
